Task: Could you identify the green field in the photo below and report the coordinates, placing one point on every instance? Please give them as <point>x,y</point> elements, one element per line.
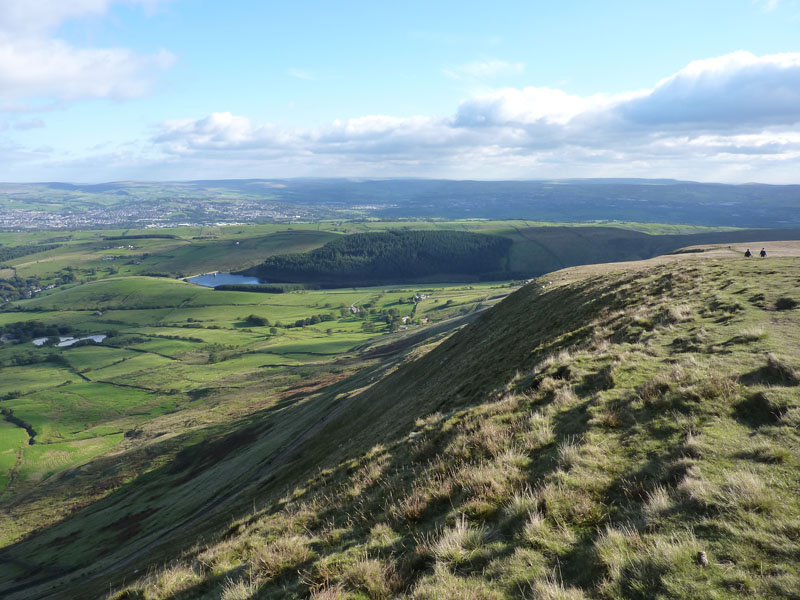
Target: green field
<point>175,347</point>
<point>188,376</point>
<point>174,350</point>
<point>12,441</point>
<point>606,424</point>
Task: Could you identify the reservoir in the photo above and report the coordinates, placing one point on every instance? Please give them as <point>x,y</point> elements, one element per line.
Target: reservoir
<point>68,341</point>
<point>213,280</point>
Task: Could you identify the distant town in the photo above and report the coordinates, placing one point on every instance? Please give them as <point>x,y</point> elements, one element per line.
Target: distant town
<point>147,215</point>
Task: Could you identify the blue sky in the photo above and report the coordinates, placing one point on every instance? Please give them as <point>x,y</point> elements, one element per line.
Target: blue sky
<point>100,90</point>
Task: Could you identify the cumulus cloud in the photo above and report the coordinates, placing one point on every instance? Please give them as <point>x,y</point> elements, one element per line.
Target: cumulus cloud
<point>719,112</point>
<point>35,68</point>
<point>36,65</point>
<point>736,89</point>
<point>37,16</point>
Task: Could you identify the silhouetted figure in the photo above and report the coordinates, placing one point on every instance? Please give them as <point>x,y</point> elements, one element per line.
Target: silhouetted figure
<point>763,253</point>
<point>748,254</point>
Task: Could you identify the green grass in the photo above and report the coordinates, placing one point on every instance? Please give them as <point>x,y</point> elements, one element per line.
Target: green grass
<point>177,351</point>
<point>30,378</point>
<point>83,410</point>
<point>41,461</point>
<point>605,431</point>
<point>92,358</point>
<point>12,441</point>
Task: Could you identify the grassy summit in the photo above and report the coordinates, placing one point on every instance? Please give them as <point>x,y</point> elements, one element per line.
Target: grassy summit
<point>626,435</point>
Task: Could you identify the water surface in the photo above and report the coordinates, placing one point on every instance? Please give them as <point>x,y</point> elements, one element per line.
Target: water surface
<point>63,342</point>
<point>213,280</point>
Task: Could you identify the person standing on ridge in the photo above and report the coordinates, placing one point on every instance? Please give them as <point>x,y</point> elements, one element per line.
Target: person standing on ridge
<point>747,254</point>
<point>763,253</point>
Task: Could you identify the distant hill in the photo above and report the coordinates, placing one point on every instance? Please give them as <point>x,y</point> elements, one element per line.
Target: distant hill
<point>522,252</point>
<point>268,200</point>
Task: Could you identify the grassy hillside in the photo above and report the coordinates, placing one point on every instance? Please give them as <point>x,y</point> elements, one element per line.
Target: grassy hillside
<point>180,364</point>
<point>44,259</point>
<point>625,435</point>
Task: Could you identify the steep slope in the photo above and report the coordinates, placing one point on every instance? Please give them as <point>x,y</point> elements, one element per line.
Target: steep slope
<point>630,435</point>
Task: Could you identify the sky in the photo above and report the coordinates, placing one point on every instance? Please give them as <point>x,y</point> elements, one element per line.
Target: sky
<point>110,90</point>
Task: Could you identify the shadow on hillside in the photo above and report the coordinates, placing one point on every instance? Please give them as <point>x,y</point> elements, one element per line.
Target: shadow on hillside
<point>757,410</point>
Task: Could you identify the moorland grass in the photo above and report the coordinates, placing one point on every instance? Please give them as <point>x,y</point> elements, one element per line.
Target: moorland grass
<point>574,466</point>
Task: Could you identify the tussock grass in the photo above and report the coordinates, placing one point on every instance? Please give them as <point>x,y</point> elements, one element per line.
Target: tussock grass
<point>372,577</point>
<point>764,452</point>
<point>381,535</point>
<point>562,502</point>
<point>549,484</point>
<point>569,452</point>
<point>742,490</point>
<point>615,548</point>
<point>749,491</point>
<point>781,371</point>
<point>521,504</point>
<point>550,539</point>
<point>444,585</point>
<point>281,556</point>
<point>540,432</point>
<point>461,545</point>
<point>657,504</point>
<point>335,592</point>
<point>238,590</point>
<point>553,589</point>
<point>166,583</point>
<point>678,313</point>
<point>565,397</point>
<point>753,333</point>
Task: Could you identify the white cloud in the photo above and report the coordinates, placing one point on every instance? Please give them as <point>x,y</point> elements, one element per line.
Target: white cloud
<point>36,16</point>
<point>38,70</point>
<point>485,69</point>
<point>31,68</point>
<point>724,115</point>
<point>736,89</point>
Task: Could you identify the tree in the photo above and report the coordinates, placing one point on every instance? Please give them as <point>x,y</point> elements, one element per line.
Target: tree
<point>257,321</point>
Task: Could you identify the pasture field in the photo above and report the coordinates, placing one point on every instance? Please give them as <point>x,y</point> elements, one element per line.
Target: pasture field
<point>30,378</point>
<point>12,440</point>
<point>178,353</point>
<point>40,461</point>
